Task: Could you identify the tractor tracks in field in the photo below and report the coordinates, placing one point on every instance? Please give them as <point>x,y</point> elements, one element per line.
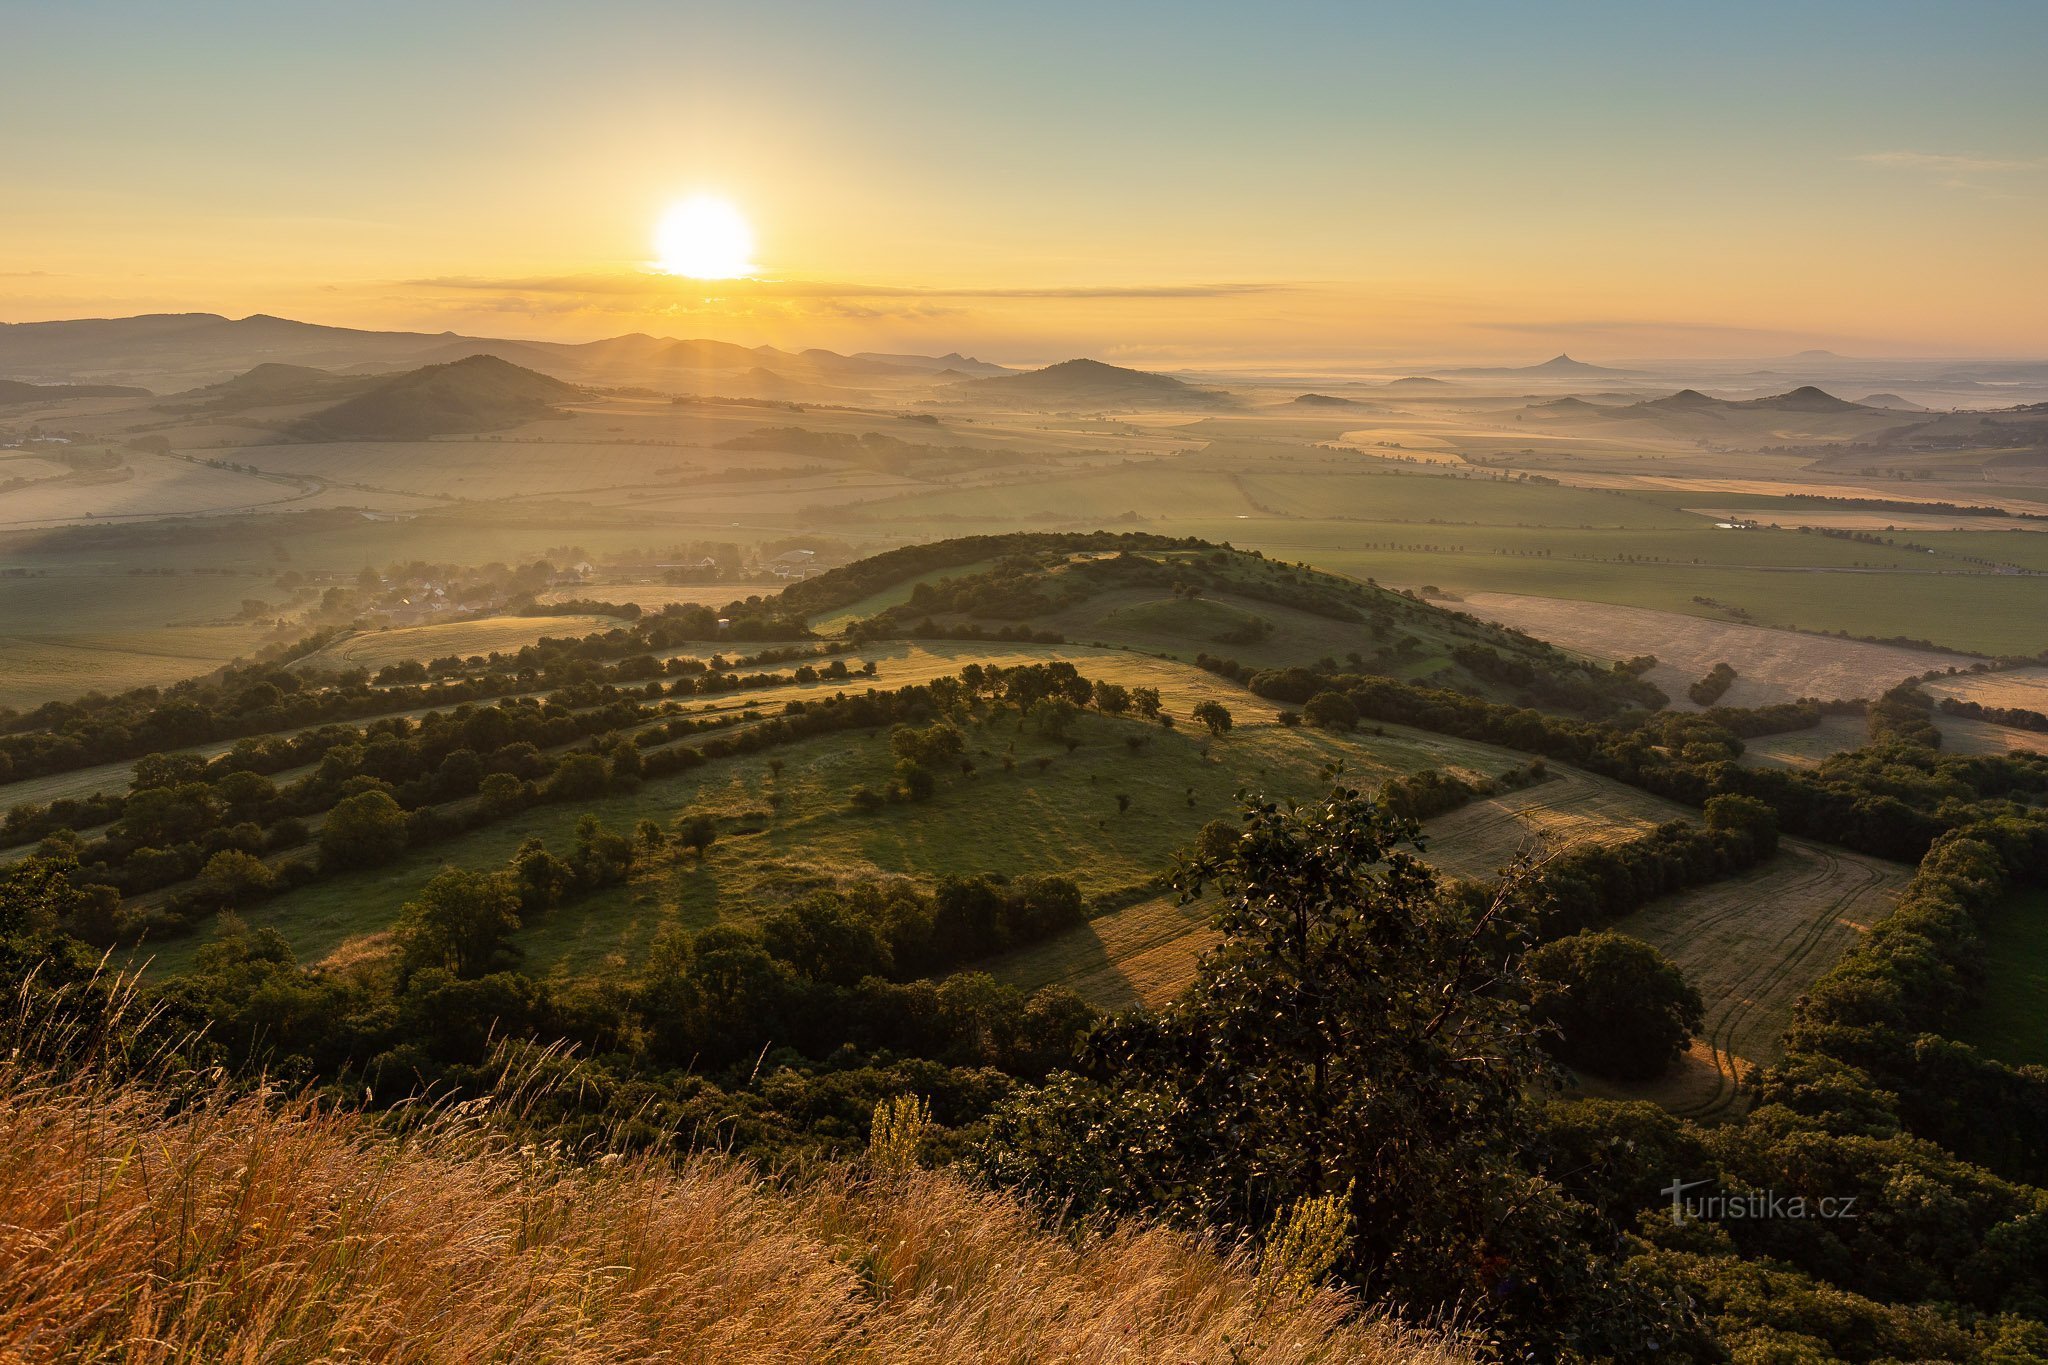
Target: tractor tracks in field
<point>1744,1001</point>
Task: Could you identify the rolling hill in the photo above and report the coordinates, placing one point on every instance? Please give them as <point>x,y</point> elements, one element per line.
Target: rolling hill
<point>1559,366</point>
<point>1231,611</point>
<point>273,385</point>
<point>1085,384</point>
<point>481,393</point>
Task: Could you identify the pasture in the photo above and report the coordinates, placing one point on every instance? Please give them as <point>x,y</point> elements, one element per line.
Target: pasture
<point>2007,1022</point>
<point>786,833</point>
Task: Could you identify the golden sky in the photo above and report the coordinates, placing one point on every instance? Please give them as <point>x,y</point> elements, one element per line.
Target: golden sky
<point>1197,183</point>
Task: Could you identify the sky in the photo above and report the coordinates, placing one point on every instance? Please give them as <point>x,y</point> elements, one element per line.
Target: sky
<point>1198,183</point>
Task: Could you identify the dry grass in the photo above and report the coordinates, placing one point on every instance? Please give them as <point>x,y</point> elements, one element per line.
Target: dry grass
<point>253,1229</point>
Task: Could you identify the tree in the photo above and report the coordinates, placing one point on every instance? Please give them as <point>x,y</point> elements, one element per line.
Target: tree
<point>1355,1035</point>
<point>1330,711</point>
<point>231,878</point>
<point>1112,699</point>
<point>578,777</point>
<point>934,746</point>
<point>540,878</point>
<point>1619,1007</point>
<point>501,794</point>
<point>362,831</point>
<point>697,831</point>
<point>1051,716</point>
<point>462,922</point>
<point>1213,714</point>
<point>828,938</point>
<point>1747,815</point>
<point>915,780</point>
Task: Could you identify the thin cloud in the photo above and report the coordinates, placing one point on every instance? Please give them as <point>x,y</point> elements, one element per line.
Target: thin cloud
<point>1955,170</point>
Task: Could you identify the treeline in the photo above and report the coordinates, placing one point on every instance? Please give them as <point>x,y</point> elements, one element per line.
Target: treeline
<point>843,586</point>
<point>1867,1044</point>
<point>1713,686</point>
<point>1887,801</point>
<point>260,699</point>
<point>1904,715</point>
<point>2017,717</point>
<point>1432,792</point>
<point>274,753</point>
<point>1589,692</point>
<point>1594,885</point>
<point>772,1042</point>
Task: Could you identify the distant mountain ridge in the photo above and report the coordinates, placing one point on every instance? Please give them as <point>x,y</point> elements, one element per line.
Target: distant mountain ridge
<point>193,350</point>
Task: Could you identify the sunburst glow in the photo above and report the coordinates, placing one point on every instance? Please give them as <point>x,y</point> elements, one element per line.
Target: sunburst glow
<point>706,238</point>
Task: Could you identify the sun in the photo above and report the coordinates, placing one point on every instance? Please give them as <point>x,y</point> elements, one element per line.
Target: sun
<point>706,238</point>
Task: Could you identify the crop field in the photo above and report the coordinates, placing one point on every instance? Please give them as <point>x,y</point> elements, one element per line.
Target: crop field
<point>1805,748</point>
<point>2007,1020</point>
<point>36,668</point>
<point>1143,954</point>
<point>1750,945</point>
<point>1770,665</point>
<point>1572,808</point>
<point>2022,688</point>
<point>1961,735</point>
<point>142,487</point>
<point>374,649</point>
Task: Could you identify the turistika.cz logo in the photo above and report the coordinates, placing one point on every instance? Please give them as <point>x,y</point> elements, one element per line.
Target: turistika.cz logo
<point>1725,1206</point>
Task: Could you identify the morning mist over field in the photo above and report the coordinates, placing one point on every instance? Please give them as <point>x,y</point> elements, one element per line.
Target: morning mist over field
<point>914,682</point>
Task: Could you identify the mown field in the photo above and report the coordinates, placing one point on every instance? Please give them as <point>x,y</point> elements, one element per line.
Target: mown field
<point>1750,945</point>
<point>1770,665</point>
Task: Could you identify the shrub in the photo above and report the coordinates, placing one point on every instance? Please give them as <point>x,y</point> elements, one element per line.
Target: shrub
<point>1617,1006</point>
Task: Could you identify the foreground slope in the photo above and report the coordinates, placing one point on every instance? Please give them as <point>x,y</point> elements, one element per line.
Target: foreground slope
<point>236,1230</point>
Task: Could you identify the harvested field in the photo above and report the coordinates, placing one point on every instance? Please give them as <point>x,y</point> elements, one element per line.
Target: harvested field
<point>43,668</point>
<point>1960,735</point>
<point>1864,521</point>
<point>1143,954</point>
<point>1770,665</point>
<point>2024,688</point>
<point>1805,748</point>
<point>1571,808</point>
<point>1751,945</point>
